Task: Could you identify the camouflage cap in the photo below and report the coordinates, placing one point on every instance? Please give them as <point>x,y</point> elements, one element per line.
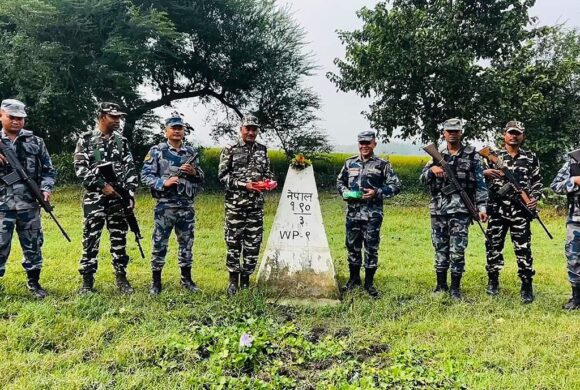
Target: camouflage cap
<point>452,124</point>
<point>250,120</point>
<point>515,126</point>
<point>13,107</point>
<point>366,136</point>
<point>111,109</point>
<point>174,120</point>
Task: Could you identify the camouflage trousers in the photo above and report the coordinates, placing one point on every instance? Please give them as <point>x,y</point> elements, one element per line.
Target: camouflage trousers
<point>243,235</point>
<point>572,249</point>
<point>521,236</point>
<point>92,227</point>
<point>363,235</point>
<point>168,218</point>
<point>27,223</point>
<point>449,235</point>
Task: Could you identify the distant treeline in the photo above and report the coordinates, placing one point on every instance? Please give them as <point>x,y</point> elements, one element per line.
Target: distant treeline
<point>326,169</point>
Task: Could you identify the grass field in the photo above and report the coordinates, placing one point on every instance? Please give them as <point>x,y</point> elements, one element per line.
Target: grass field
<point>409,338</point>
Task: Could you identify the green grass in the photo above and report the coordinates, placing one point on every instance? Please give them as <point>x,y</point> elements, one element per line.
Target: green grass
<point>409,338</point>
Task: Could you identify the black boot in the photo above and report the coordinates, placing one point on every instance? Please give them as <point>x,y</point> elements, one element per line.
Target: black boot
<point>156,286</point>
<point>369,277</point>
<point>34,286</point>
<point>441,282</point>
<point>455,286</point>
<point>354,279</point>
<point>574,302</point>
<point>234,280</point>
<point>244,281</point>
<point>88,284</point>
<point>527,292</point>
<point>122,283</point>
<point>186,281</point>
<point>493,283</point>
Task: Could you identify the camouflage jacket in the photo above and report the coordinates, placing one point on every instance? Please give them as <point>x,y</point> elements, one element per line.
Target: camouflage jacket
<point>94,149</point>
<point>374,173</point>
<point>525,167</point>
<point>467,165</point>
<point>33,155</point>
<point>161,163</point>
<point>242,163</point>
<point>564,184</point>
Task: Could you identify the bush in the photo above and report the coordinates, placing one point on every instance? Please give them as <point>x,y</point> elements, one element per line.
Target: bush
<point>326,169</point>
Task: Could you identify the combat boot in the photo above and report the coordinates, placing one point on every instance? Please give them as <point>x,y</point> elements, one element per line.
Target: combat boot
<point>234,280</point>
<point>88,284</point>
<point>244,281</point>
<point>156,286</point>
<point>122,283</point>
<point>369,287</point>
<point>574,302</point>
<point>527,292</point>
<point>492,283</point>
<point>186,281</point>
<point>455,286</point>
<point>354,279</point>
<point>441,282</point>
<point>33,284</point>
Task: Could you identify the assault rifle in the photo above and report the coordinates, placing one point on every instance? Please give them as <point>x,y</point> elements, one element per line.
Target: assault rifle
<point>19,174</point>
<point>575,155</point>
<point>189,161</point>
<point>106,170</point>
<point>512,186</point>
<point>454,185</point>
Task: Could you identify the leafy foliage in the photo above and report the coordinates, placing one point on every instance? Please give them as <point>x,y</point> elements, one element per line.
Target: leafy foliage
<point>62,56</point>
<point>541,84</point>
<point>423,61</point>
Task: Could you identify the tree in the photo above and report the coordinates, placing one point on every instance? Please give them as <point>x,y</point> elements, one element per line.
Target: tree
<point>540,86</point>
<point>229,51</point>
<point>423,61</point>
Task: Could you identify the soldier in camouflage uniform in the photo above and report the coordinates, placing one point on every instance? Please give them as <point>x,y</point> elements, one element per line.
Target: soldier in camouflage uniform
<point>567,182</point>
<point>364,182</point>
<point>101,203</point>
<point>171,170</point>
<point>18,207</point>
<point>241,166</point>
<point>450,218</point>
<point>506,211</point>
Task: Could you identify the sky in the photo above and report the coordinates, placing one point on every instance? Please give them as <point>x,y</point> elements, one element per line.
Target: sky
<point>341,114</point>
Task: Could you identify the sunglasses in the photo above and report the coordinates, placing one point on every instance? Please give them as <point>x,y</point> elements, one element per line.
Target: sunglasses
<point>364,142</point>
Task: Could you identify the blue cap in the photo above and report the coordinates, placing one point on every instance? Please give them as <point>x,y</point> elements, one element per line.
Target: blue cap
<point>174,120</point>
<point>13,107</point>
<point>366,136</point>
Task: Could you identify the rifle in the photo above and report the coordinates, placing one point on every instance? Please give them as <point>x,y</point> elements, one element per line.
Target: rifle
<point>512,185</point>
<point>19,174</point>
<point>575,155</point>
<point>432,151</point>
<point>189,161</point>
<point>106,170</point>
